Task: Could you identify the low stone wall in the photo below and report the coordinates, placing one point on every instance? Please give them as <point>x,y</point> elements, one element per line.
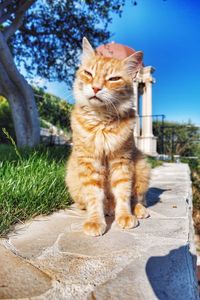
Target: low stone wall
<point>50,257</point>
<point>53,136</point>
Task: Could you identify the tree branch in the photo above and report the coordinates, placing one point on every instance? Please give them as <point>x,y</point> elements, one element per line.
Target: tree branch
<point>6,84</point>
<point>12,72</point>
<point>38,33</point>
<point>17,22</point>
<point>5,17</point>
<point>5,4</point>
<point>2,93</point>
<point>6,10</point>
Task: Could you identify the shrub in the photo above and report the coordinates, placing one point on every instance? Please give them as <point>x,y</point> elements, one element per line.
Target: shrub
<point>5,120</point>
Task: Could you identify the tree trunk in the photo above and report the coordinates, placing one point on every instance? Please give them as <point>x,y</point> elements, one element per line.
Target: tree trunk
<point>20,95</point>
<point>25,120</point>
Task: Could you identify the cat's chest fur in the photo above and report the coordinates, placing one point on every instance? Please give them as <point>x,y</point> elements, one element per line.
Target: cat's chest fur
<point>103,138</point>
<point>100,136</point>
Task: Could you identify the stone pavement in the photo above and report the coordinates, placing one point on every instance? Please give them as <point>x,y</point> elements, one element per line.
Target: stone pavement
<point>50,258</point>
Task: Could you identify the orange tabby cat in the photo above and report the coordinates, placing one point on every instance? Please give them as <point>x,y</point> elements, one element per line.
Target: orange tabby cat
<point>105,168</point>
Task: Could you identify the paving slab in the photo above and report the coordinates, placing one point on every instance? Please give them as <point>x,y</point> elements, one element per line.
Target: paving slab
<point>163,271</point>
<point>53,259</point>
<point>20,279</point>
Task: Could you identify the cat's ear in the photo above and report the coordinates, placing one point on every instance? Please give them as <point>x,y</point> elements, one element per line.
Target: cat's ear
<point>133,63</point>
<point>88,51</point>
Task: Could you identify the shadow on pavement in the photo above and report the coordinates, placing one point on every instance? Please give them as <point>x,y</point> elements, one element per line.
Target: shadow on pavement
<point>172,277</point>
<point>153,196</point>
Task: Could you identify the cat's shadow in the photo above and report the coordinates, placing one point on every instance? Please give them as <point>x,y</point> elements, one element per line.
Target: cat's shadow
<point>153,196</point>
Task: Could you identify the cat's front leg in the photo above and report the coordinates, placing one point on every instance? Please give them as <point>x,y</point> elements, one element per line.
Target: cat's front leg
<point>140,187</point>
<point>91,175</point>
<point>121,186</point>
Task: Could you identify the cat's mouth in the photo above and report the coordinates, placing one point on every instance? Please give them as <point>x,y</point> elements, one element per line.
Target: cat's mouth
<point>95,98</point>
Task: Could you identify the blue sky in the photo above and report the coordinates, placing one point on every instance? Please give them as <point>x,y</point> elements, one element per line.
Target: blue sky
<point>168,32</point>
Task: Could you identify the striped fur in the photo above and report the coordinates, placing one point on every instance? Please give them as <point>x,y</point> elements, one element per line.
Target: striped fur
<point>105,169</point>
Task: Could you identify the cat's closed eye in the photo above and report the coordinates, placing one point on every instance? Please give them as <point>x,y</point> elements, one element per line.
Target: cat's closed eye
<point>116,78</point>
<point>88,73</point>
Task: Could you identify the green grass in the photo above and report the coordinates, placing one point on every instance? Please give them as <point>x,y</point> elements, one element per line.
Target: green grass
<point>31,184</point>
<point>154,162</point>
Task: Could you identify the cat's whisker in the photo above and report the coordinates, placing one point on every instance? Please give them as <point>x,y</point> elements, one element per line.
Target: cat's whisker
<point>114,98</point>
<point>109,108</point>
<point>112,104</point>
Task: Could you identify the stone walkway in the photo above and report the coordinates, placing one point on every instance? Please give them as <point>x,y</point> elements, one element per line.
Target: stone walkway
<point>50,258</point>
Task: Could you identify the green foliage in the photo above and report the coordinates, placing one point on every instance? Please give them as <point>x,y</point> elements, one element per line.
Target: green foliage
<point>5,120</point>
<point>154,162</point>
<point>196,187</point>
<point>53,109</point>
<point>179,139</point>
<point>183,140</point>
<point>32,185</point>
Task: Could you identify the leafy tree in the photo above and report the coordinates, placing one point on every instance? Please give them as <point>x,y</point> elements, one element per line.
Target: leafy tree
<point>44,37</point>
<point>179,139</point>
<point>53,109</point>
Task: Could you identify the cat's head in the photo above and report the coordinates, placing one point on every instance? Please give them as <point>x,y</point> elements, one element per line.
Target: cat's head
<point>104,81</point>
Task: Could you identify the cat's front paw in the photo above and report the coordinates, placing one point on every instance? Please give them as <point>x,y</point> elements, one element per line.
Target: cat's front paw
<point>140,211</point>
<point>126,221</point>
<point>94,228</point>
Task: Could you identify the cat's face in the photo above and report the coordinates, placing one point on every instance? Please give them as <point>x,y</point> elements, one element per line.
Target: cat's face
<point>105,82</point>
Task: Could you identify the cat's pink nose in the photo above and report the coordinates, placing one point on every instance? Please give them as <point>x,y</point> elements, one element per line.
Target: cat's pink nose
<point>96,89</point>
